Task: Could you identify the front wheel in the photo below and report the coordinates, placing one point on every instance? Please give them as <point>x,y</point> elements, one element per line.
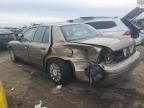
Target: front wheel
<point>60,71</point>
<point>12,55</point>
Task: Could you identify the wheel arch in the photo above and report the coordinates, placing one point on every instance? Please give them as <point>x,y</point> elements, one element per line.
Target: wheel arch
<point>9,47</point>
<point>59,58</point>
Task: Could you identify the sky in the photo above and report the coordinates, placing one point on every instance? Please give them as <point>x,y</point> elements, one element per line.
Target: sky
<point>20,12</point>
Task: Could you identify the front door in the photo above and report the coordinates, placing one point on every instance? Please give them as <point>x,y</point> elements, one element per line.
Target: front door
<point>21,48</point>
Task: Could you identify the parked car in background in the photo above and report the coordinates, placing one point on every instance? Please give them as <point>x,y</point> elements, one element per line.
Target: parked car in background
<point>68,49</point>
<point>106,25</point>
<point>134,20</point>
<point>5,37</point>
<point>14,30</point>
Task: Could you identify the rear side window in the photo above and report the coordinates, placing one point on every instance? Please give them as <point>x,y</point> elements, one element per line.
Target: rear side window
<point>46,36</point>
<point>39,34</point>
<point>103,24</point>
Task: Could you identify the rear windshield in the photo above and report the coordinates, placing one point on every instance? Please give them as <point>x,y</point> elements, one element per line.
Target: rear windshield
<point>103,24</point>
<point>138,21</point>
<point>140,16</point>
<point>78,31</point>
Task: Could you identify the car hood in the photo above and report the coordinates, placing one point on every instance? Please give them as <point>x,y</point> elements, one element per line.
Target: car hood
<point>115,43</point>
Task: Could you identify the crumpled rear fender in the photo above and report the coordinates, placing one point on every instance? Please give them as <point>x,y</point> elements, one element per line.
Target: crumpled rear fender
<point>80,55</point>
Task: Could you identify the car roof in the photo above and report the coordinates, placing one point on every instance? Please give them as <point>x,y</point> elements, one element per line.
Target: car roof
<point>99,19</point>
<point>91,19</point>
<point>56,24</point>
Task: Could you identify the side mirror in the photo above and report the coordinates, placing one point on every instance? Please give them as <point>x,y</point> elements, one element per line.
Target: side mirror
<point>18,37</point>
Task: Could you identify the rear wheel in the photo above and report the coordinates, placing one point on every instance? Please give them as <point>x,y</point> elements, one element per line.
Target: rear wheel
<point>12,55</point>
<point>60,71</point>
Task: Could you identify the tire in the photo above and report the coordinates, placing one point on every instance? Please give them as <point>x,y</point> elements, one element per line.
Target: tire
<point>12,55</point>
<point>60,72</point>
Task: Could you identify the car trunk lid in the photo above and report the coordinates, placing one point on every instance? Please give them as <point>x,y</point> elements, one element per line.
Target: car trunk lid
<point>115,43</point>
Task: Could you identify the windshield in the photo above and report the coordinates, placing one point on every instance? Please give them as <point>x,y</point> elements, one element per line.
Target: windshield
<point>78,31</point>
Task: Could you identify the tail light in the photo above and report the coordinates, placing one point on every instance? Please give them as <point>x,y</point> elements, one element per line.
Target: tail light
<point>107,56</point>
<point>127,33</point>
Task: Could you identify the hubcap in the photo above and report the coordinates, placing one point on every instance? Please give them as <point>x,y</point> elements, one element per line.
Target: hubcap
<point>55,72</point>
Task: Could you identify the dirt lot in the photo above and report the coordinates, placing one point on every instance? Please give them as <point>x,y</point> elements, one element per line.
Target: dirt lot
<point>25,86</point>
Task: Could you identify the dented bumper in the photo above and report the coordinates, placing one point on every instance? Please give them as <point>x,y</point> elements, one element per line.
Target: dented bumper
<point>109,73</point>
<point>119,71</point>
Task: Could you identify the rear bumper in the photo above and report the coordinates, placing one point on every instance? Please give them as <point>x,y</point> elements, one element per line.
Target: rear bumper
<point>109,74</point>
<point>119,71</point>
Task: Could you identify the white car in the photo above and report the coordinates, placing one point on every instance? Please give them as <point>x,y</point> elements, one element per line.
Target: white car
<point>108,26</point>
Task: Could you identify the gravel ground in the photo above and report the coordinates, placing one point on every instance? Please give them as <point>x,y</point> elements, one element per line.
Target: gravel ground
<point>25,86</point>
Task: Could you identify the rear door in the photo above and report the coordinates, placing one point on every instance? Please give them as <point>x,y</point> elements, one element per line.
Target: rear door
<point>40,44</point>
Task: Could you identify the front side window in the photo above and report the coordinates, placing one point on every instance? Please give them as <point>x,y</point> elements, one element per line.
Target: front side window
<point>28,35</point>
<point>78,31</point>
<point>39,34</point>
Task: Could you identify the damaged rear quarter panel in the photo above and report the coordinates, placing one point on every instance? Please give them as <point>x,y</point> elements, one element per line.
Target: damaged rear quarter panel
<point>79,55</point>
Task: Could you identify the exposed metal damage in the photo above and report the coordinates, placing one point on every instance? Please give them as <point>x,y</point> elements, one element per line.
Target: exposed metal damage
<point>95,73</point>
